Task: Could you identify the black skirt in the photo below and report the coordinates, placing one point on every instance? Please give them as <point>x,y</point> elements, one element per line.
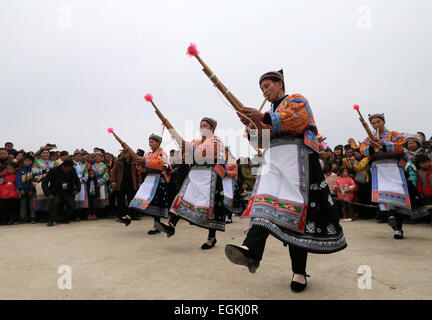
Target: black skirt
<point>323,233</point>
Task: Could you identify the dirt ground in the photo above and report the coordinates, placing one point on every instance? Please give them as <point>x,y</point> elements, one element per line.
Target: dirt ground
<point>111,261</point>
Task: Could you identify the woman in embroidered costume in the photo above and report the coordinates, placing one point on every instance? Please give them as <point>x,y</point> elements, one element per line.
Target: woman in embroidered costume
<point>390,188</point>
<point>200,201</point>
<point>102,175</point>
<point>81,200</point>
<point>291,199</point>
<point>39,170</point>
<point>152,196</point>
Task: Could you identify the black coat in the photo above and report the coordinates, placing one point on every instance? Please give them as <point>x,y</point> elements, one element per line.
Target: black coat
<point>52,183</point>
<point>95,185</point>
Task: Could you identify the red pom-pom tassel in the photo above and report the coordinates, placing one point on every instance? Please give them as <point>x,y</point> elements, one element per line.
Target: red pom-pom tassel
<point>110,130</point>
<point>192,50</point>
<point>148,97</point>
<point>356,107</point>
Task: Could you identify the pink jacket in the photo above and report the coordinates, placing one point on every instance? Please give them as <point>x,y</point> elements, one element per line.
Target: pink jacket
<point>346,187</point>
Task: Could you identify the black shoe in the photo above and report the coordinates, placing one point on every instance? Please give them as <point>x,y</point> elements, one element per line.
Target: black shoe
<point>153,231</point>
<point>392,222</point>
<point>297,286</point>
<point>126,220</point>
<point>33,221</point>
<point>241,256</point>
<point>205,246</point>
<point>50,224</point>
<point>228,221</point>
<point>164,228</point>
<point>398,234</point>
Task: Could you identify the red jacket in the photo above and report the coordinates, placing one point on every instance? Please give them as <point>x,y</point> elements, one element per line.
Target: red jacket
<point>9,188</point>
<point>424,182</point>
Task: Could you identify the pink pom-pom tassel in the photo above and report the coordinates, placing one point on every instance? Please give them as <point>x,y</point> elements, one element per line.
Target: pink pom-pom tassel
<point>356,107</point>
<point>110,130</point>
<point>148,97</point>
<point>192,50</point>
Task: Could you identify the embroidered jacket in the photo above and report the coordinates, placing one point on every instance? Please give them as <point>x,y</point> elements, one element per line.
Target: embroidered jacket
<point>101,172</point>
<point>211,151</point>
<point>81,170</point>
<point>293,116</point>
<point>158,160</point>
<point>393,145</point>
<point>41,165</point>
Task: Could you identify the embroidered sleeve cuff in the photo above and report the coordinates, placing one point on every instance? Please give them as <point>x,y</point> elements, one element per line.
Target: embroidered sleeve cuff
<point>276,124</point>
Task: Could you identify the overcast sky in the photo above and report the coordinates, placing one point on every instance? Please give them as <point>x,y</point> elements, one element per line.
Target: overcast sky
<point>71,69</point>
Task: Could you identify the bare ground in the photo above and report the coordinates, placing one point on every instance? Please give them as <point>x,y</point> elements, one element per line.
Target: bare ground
<point>111,261</point>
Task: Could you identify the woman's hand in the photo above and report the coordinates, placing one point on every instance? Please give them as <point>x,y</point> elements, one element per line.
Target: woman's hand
<point>253,114</point>
<point>377,144</point>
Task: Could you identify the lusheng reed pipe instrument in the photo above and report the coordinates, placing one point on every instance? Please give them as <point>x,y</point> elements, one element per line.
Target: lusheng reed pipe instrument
<point>123,144</point>
<point>237,105</point>
<point>366,127</point>
<point>173,132</point>
<point>193,52</point>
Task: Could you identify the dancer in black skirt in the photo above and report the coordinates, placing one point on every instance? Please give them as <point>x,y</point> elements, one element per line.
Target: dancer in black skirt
<point>291,199</point>
<point>200,199</point>
<point>152,196</point>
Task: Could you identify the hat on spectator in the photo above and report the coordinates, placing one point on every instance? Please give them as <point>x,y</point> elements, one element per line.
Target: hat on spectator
<point>77,151</point>
<point>412,137</point>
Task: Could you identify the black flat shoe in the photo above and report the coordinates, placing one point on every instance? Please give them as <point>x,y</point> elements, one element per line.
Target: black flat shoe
<point>126,220</point>
<point>228,221</point>
<point>165,228</point>
<point>153,231</point>
<point>205,246</point>
<point>50,224</point>
<point>241,256</point>
<point>398,234</point>
<point>297,286</point>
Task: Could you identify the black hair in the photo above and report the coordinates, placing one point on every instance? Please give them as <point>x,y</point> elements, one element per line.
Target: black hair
<point>11,163</point>
<point>64,153</point>
<point>8,143</point>
<point>420,159</point>
<point>327,169</point>
<point>28,156</point>
<point>140,152</point>
<point>52,153</point>
<point>351,171</point>
<point>14,152</point>
<point>1,149</point>
<point>422,134</point>
<point>68,163</point>
<point>339,147</point>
